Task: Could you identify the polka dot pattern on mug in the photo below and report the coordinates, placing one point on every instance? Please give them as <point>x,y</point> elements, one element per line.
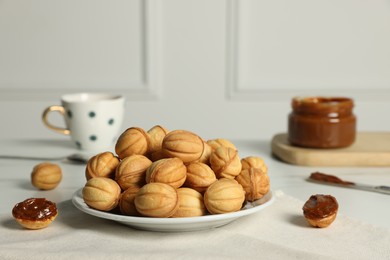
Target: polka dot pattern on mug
<point>92,120</point>
<point>92,114</point>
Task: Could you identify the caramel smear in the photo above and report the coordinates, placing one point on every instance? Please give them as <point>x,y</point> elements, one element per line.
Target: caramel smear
<point>319,176</point>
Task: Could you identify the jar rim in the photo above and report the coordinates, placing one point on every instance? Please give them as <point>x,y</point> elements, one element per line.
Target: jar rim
<point>322,101</point>
<point>324,106</point>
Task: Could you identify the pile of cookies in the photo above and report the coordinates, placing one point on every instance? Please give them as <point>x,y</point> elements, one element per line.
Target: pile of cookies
<point>161,173</point>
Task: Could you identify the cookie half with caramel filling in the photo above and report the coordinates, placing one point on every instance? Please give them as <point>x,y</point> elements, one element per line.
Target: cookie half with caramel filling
<point>35,213</point>
<point>320,210</point>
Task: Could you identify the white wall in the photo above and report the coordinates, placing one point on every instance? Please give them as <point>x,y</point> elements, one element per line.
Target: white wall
<point>223,68</point>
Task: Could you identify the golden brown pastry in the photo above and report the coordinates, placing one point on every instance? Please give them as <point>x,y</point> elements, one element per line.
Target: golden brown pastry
<point>215,143</point>
<point>254,162</point>
<point>171,171</point>
<point>158,200</point>
<point>46,176</point>
<point>320,210</point>
<point>101,193</point>
<point>205,157</point>
<point>199,176</point>
<point>131,171</point>
<point>184,145</point>
<point>157,155</point>
<point>156,136</point>
<point>132,141</point>
<point>101,165</point>
<point>190,204</point>
<point>255,183</point>
<point>35,213</point>
<point>126,202</point>
<point>225,162</point>
<point>224,196</point>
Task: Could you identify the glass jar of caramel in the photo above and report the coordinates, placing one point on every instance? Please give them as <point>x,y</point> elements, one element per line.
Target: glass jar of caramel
<point>322,122</point>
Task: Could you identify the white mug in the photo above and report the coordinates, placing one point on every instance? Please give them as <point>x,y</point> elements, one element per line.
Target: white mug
<point>93,120</point>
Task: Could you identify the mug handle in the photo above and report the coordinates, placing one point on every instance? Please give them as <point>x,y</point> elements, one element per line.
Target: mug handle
<point>57,129</point>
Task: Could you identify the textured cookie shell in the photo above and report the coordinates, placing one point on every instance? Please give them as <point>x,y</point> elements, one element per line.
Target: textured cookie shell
<point>225,162</point>
<point>157,200</point>
<point>254,162</point>
<point>255,182</point>
<point>156,136</point>
<point>184,145</point>
<point>132,141</point>
<point>171,171</point>
<point>131,171</point>
<point>224,196</point>
<point>190,203</point>
<point>215,143</point>
<point>126,202</point>
<point>199,176</point>
<point>101,193</point>
<point>46,176</point>
<point>101,165</point>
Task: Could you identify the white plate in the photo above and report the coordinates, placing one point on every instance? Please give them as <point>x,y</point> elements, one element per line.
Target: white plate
<point>176,224</point>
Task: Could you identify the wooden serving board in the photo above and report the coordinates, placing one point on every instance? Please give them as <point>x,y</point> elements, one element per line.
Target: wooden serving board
<point>369,149</point>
